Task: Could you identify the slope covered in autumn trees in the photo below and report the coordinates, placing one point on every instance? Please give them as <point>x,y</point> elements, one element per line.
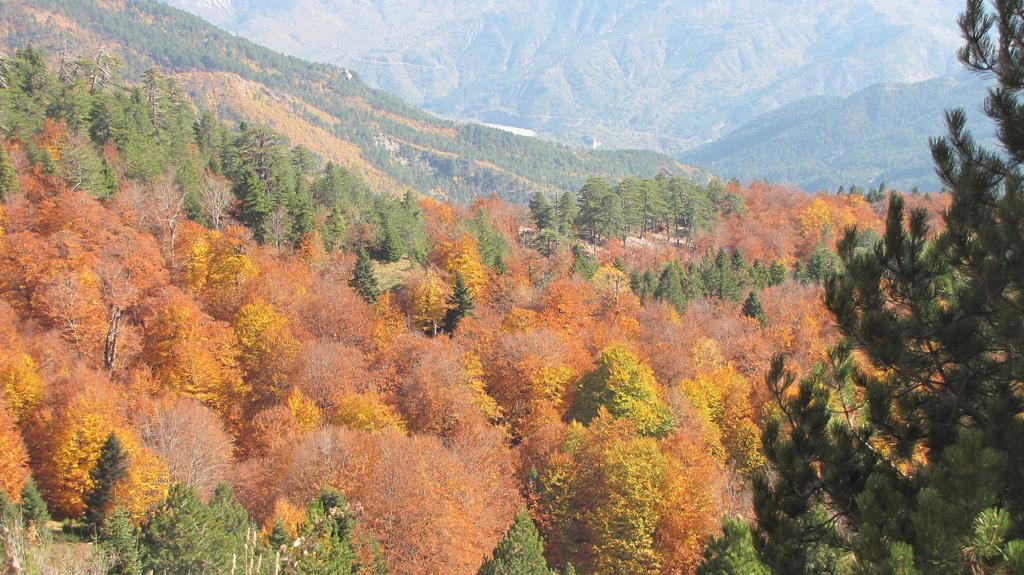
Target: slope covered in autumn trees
<point>214,298</point>
<point>395,147</point>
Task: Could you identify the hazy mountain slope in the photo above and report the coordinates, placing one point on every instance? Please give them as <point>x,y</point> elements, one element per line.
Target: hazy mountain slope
<point>668,74</point>
<point>327,108</point>
<point>876,135</point>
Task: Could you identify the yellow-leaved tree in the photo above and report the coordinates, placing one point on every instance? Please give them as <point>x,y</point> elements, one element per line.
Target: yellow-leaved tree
<point>14,462</point>
<point>307,415</point>
<point>463,256</point>
<point>602,497</point>
<point>145,482</point>
<point>216,269</point>
<point>268,349</point>
<point>22,386</point>
<point>366,412</point>
<point>69,445</point>
<point>193,354</point>
<point>626,388</point>
<point>722,395</point>
<point>816,220</point>
<point>429,302</point>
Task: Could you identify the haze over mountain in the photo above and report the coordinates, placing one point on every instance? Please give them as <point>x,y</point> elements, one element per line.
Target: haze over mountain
<point>668,74</point>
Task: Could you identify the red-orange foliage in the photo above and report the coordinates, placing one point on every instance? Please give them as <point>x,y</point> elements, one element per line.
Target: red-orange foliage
<point>434,509</point>
<point>14,463</point>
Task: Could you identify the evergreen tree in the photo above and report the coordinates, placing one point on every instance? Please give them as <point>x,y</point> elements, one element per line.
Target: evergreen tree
<point>255,205</point>
<point>460,304</point>
<point>520,552</point>
<point>670,287</point>
<point>611,214</point>
<point>327,537</point>
<point>649,284</point>
<point>565,214</point>
<point>279,537</point>
<point>9,510</point>
<point>754,309</point>
<point>120,541</point>
<point>918,457</point>
<point>822,264</point>
<point>546,242</point>
<point>8,177</point>
<point>333,231</point>
<point>732,553</point>
<point>182,535</point>
<point>364,280</point>
<point>110,467</point>
<point>636,284</point>
<point>540,211</point>
<point>720,276</point>
<point>583,264</point>
<point>693,283</point>
<point>107,184</point>
<point>390,248</point>
<point>593,203</point>
<point>33,507</point>
<point>630,193</point>
<point>776,273</point>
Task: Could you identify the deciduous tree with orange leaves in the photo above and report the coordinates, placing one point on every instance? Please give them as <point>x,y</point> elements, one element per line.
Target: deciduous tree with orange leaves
<point>14,463</point>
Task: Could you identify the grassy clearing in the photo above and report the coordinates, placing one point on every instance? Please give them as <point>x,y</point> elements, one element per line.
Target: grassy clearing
<point>390,275</point>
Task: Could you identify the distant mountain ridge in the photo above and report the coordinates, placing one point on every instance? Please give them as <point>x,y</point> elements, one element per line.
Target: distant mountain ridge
<point>663,74</point>
<point>877,135</point>
<point>393,145</point>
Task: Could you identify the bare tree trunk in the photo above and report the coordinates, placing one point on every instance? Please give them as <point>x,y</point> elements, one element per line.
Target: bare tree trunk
<point>113,331</point>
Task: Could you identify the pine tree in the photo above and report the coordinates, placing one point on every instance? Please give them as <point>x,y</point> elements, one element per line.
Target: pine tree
<point>520,552</point>
<point>460,304</point>
<point>391,248</point>
<point>583,264</point>
<point>182,535</point>
<point>593,207</point>
<point>110,467</point>
<point>776,273</point>
<point>732,553</point>
<point>540,211</point>
<point>822,264</point>
<point>333,231</point>
<point>327,537</point>
<point>754,309</point>
<point>670,287</point>
<point>279,537</point>
<point>107,185</point>
<point>120,541</point>
<point>8,177</point>
<point>922,464</point>
<point>9,510</point>
<point>565,214</point>
<point>33,507</point>
<point>255,205</point>
<point>364,280</point>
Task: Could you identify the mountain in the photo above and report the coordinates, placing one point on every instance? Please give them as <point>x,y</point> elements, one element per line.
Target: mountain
<point>877,135</point>
<point>328,109</point>
<point>663,74</point>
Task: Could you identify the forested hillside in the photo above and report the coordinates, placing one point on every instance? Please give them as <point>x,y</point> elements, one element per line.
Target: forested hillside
<point>874,137</point>
<point>393,146</point>
<point>207,327</point>
<point>224,352</point>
